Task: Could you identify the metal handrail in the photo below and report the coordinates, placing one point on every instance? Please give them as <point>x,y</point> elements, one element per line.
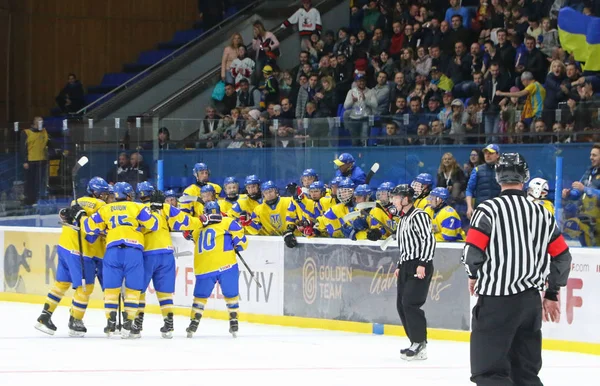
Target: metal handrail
<point>168,57</point>
<point>207,75</point>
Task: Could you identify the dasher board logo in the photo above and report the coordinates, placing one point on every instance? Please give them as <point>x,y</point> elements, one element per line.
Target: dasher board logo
<point>14,259</point>
<point>323,281</point>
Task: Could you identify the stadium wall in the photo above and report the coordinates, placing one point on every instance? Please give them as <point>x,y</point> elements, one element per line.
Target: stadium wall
<point>324,283</point>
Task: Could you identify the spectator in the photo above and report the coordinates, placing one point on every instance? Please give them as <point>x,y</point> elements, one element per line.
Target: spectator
<point>229,101</point>
<point>208,134</point>
<point>458,121</point>
<point>482,183</point>
<point>343,42</point>
<point>230,53</point>
<point>458,33</point>
<point>121,172</point>
<point>548,39</point>
<point>371,16</point>
<point>498,80</point>
<point>305,95</point>
<point>164,139</point>
<point>535,62</point>
<point>378,43</point>
<point>423,62</point>
<point>459,69</point>
<point>554,92</point>
<point>397,41</point>
<point>457,9</point>
<point>451,177</point>
<point>241,67</point>
<point>432,35</point>
<point>382,94</point>
<point>270,87</point>
<point>437,133</point>
<point>266,45</point>
<point>541,135</point>
<point>392,137</point>
<point>308,19</point>
<point>360,103</point>
<point>535,93</point>
<point>507,52</point>
<point>303,58</point>
<point>138,170</point>
<point>34,146</point>
<point>247,95</point>
<point>475,159</point>
<point>326,98</point>
<point>70,99</point>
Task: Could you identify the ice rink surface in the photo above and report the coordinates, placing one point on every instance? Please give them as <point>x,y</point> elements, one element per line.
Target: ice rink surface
<point>261,355</point>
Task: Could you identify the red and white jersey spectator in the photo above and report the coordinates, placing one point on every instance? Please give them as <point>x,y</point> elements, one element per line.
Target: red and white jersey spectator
<point>307,18</point>
<point>242,67</point>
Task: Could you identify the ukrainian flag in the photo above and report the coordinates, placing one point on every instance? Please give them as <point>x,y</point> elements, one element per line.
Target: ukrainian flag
<point>572,32</point>
<point>592,62</point>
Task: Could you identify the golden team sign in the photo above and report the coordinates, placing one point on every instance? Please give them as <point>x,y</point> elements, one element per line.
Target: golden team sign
<point>323,281</point>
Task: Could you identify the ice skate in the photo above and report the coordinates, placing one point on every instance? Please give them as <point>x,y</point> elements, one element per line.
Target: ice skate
<point>233,324</point>
<point>44,323</point>
<point>130,330</point>
<point>403,352</point>
<point>193,327</point>
<point>167,329</point>
<point>139,320</point>
<point>111,324</point>
<point>76,327</point>
<point>418,351</point>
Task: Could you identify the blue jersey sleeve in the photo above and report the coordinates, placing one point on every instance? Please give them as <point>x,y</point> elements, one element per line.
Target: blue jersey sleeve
<point>472,183</point>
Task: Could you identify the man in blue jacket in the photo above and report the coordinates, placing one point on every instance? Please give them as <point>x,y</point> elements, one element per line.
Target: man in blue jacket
<point>482,183</point>
<point>348,168</point>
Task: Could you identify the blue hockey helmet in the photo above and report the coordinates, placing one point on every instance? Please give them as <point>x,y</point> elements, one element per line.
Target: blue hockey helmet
<point>171,193</point>
<point>208,188</point>
<point>111,189</point>
<point>424,179</point>
<point>200,166</point>
<point>309,173</point>
<point>363,190</point>
<point>230,180</point>
<point>122,191</point>
<point>145,189</point>
<point>317,185</point>
<point>383,192</point>
<point>346,183</point>
<point>268,185</point>
<point>97,185</point>
<point>441,193</point>
<point>422,184</point>
<point>336,180</point>
<point>251,179</point>
<point>212,207</point>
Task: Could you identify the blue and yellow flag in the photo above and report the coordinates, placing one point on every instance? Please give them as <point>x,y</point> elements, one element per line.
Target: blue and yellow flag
<point>580,35</point>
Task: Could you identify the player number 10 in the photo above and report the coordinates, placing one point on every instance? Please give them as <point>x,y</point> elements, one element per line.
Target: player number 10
<point>206,240</point>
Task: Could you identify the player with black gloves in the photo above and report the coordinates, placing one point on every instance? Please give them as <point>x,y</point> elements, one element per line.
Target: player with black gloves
<point>243,208</point>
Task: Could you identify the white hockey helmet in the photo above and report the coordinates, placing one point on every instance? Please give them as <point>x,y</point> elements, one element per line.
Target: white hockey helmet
<point>538,188</point>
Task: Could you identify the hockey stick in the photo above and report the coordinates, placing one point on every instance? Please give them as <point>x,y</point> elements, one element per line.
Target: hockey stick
<point>247,267</point>
<point>372,172</point>
<point>81,163</point>
<point>387,242</point>
<point>186,199</point>
<point>370,205</point>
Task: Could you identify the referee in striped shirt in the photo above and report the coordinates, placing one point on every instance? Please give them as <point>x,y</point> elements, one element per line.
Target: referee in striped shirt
<point>415,268</point>
<point>513,251</point>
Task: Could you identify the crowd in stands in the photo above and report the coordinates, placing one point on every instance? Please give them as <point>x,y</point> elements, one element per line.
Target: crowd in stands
<point>410,72</point>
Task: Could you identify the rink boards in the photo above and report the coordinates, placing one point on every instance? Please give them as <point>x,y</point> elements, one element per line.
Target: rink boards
<point>324,283</point>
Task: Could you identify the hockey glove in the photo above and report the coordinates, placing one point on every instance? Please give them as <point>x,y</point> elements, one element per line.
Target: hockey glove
<point>76,213</point>
<point>211,218</point>
<point>291,188</point>
<point>245,220</point>
<point>374,234</point>
<point>157,200</point>
<point>360,224</point>
<point>348,232</point>
<point>188,235</point>
<point>289,238</point>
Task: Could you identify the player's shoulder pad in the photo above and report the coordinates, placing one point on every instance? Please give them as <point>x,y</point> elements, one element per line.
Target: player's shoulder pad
<point>449,209</point>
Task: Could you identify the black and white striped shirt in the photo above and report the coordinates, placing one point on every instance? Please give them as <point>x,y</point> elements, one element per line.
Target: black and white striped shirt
<point>511,246</point>
<point>415,238</point>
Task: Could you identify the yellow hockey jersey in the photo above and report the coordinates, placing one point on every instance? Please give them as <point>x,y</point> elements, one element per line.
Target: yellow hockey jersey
<point>309,209</point>
<point>92,245</point>
<point>214,251</point>
<point>447,225</point>
<point>333,222</point>
<point>226,204</point>
<point>122,221</point>
<point>378,217</point>
<point>170,219</point>
<point>271,220</point>
<point>546,204</point>
<point>196,208</point>
<point>244,204</point>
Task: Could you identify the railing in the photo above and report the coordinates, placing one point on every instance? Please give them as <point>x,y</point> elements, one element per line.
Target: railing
<point>165,59</point>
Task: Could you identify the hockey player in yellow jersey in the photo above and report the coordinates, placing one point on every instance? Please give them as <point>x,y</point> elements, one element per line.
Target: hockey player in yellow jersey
<point>122,221</point>
<point>69,270</point>
<point>332,221</point>
<point>274,216</point>
<point>308,209</point>
<point>380,222</point>
<point>445,221</point>
<point>231,187</point>
<point>245,205</point>
<point>537,191</point>
<point>422,185</point>
<point>331,199</point>
<point>202,174</point>
<point>171,198</point>
<point>159,261</point>
<point>215,262</point>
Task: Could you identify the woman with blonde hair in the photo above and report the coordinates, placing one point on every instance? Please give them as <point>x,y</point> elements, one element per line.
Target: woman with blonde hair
<point>265,46</point>
<point>451,177</point>
<point>230,53</point>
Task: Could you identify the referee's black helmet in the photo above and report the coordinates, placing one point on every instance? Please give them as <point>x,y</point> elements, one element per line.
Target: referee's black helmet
<point>403,190</point>
<point>512,169</point>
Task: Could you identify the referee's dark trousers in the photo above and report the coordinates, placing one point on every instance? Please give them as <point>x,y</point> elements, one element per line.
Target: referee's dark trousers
<point>506,340</point>
<point>412,294</point>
